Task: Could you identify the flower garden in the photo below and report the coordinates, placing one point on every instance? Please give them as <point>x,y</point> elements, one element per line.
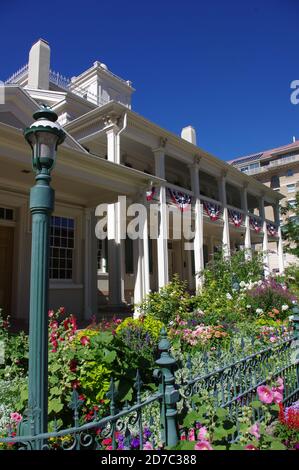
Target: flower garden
<point>233,365</point>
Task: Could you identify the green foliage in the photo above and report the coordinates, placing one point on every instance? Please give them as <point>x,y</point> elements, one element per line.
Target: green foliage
<point>171,300</point>
<point>290,229</point>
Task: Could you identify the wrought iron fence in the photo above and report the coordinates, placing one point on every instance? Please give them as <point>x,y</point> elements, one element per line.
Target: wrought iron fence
<point>153,417</point>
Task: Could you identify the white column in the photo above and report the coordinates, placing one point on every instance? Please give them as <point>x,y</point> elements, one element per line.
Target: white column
<point>146,264</point>
<point>114,225</point>
<point>247,240</point>
<point>265,239</point>
<point>225,233</point>
<point>280,241</point>
<point>198,237</point>
<point>162,242</point>
<point>90,265</point>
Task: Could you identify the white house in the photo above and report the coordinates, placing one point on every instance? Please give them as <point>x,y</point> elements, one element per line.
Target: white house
<point>111,151</point>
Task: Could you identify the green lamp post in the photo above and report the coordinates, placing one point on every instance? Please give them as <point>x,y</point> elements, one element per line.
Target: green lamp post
<point>43,136</point>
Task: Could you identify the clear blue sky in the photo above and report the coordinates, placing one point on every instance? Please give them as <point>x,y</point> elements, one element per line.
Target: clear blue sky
<point>223,66</point>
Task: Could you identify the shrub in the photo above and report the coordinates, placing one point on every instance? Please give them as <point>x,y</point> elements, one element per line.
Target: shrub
<point>171,300</point>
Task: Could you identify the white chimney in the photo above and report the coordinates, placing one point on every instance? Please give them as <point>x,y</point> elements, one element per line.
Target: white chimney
<point>188,133</point>
<point>39,65</point>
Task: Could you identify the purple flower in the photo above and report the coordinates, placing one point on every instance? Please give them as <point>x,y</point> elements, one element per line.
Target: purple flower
<point>147,433</point>
<point>135,443</point>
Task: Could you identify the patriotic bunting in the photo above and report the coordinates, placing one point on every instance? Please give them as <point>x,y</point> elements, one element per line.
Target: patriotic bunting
<point>272,230</point>
<point>182,200</point>
<point>150,193</point>
<point>236,217</point>
<point>255,224</point>
<point>213,210</point>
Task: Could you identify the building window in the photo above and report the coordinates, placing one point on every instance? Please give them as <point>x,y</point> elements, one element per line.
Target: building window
<point>129,261</point>
<point>292,202</point>
<point>62,242</point>
<point>290,172</point>
<point>291,188</point>
<point>275,182</point>
<point>6,214</point>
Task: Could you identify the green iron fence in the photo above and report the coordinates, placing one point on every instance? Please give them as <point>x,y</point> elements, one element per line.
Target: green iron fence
<point>153,418</point>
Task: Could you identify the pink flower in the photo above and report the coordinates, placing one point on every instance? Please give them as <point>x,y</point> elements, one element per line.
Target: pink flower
<point>255,430</point>
<point>203,445</point>
<point>280,385</point>
<point>272,339</point>
<point>250,447</point>
<point>203,433</point>
<point>265,394</point>
<point>277,396</point>
<point>16,417</point>
<point>85,340</point>
<point>191,435</point>
<point>51,313</point>
<point>147,446</point>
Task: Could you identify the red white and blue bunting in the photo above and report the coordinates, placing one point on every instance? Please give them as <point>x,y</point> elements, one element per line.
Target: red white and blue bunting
<point>181,200</point>
<point>255,224</point>
<point>272,230</point>
<point>236,217</point>
<point>150,193</point>
<point>213,210</point>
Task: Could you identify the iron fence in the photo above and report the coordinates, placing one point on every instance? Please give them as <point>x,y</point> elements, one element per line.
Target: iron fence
<point>153,417</point>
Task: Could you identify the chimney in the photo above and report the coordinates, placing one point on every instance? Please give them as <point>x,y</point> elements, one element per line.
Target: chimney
<point>39,65</point>
<point>188,133</point>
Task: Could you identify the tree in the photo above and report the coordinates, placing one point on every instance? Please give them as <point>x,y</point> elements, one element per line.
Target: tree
<point>290,229</point>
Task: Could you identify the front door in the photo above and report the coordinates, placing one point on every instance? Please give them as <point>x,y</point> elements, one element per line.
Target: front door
<point>6,260</point>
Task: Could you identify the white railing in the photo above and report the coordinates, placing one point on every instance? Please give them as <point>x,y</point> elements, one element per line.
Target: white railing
<point>273,163</point>
<point>18,74</point>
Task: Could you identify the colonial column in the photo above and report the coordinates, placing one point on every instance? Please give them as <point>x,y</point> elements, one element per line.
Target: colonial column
<point>225,233</point>
<point>162,242</point>
<point>198,236</point>
<point>141,257</point>
<point>90,265</point>
<point>280,241</point>
<point>265,239</point>
<point>115,227</point>
<point>247,240</point>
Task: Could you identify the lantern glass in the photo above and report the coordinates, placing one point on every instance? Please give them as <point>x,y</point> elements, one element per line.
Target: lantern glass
<point>44,146</point>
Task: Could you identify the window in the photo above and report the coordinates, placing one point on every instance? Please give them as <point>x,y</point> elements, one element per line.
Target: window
<point>290,172</point>
<point>292,202</point>
<point>62,241</point>
<point>275,182</point>
<point>129,261</point>
<point>6,214</point>
<point>102,259</point>
<point>291,188</point>
<point>244,169</point>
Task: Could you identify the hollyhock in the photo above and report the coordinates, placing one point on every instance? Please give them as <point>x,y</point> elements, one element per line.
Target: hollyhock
<point>73,365</point>
<point>277,396</point>
<point>191,435</point>
<point>250,447</point>
<point>51,313</point>
<point>147,446</point>
<point>16,417</point>
<point>107,442</point>
<point>203,445</point>
<point>202,433</point>
<point>280,385</point>
<point>85,340</point>
<point>265,394</point>
<point>61,310</point>
<point>255,430</point>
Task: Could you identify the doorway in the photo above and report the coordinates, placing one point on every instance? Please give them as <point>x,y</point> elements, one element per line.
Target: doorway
<point>6,267</point>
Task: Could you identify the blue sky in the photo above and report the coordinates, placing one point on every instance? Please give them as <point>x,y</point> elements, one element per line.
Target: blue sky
<point>223,66</point>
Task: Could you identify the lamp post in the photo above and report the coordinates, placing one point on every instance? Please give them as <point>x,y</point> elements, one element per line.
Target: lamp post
<point>43,136</point>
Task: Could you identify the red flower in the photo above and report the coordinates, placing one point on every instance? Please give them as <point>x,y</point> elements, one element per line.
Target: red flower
<point>85,340</point>
<point>75,383</point>
<point>73,365</point>
<point>107,442</point>
<point>61,310</point>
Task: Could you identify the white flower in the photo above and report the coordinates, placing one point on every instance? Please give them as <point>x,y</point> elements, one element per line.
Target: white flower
<point>228,296</point>
<point>284,307</point>
<point>259,311</point>
<point>242,284</point>
<point>259,283</point>
<point>248,306</point>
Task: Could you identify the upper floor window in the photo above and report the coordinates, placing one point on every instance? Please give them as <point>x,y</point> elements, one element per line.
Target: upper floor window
<point>292,202</point>
<point>275,182</point>
<point>291,188</point>
<point>62,243</point>
<point>290,172</point>
<point>6,214</point>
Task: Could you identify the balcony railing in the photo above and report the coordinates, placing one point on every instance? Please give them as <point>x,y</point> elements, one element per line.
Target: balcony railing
<point>273,164</point>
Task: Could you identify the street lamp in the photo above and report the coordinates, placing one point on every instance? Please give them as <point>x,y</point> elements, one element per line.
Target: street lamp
<point>43,136</point>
